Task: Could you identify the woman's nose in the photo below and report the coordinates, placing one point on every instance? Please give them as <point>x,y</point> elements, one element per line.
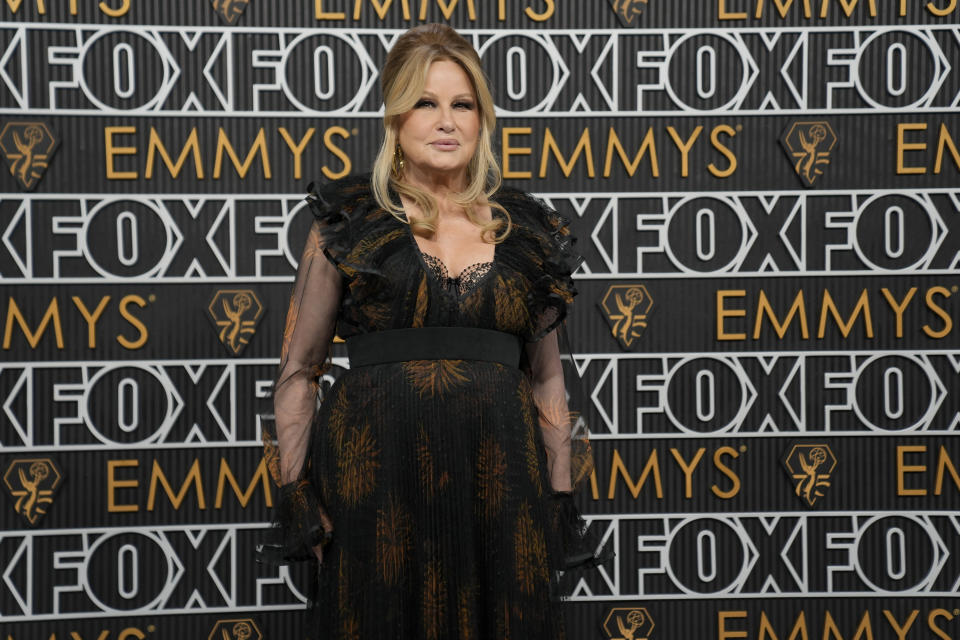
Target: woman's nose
<point>445,121</point>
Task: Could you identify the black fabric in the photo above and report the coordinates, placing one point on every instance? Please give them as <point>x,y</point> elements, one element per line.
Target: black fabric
<point>433,343</point>
<point>439,478</point>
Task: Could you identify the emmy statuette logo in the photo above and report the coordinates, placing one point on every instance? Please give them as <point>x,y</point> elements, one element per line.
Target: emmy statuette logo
<point>627,307</point>
<point>32,482</point>
<point>810,466</point>
<point>628,623</point>
<point>27,148</point>
<point>241,629</point>
<point>628,11</point>
<point>235,314</point>
<point>230,10</point>
<point>809,145</point>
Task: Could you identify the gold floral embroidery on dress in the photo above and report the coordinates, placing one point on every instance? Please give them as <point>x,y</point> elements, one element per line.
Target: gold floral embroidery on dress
<point>433,377</point>
<point>530,552</point>
<point>465,614</point>
<point>339,414</point>
<point>420,309</point>
<point>372,243</point>
<point>428,473</point>
<point>394,538</point>
<point>528,417</point>
<point>358,465</point>
<point>434,599</point>
<point>491,469</point>
<point>510,301</point>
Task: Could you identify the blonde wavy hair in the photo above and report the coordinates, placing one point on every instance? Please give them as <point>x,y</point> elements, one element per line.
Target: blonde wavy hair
<point>403,77</point>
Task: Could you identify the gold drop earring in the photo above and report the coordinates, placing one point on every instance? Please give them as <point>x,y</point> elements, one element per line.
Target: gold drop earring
<point>397,161</point>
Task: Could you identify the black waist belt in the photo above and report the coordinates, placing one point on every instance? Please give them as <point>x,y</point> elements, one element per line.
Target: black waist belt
<point>434,343</point>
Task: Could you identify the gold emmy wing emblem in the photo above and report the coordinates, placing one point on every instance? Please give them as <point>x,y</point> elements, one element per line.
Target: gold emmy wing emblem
<point>31,482</point>
<point>235,313</point>
<point>628,10</point>
<point>27,147</point>
<point>810,466</point>
<point>628,623</point>
<point>245,629</point>
<point>230,10</point>
<point>627,307</point>
<point>809,145</point>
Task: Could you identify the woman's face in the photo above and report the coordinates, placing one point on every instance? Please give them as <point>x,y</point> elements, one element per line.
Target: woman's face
<point>440,134</point>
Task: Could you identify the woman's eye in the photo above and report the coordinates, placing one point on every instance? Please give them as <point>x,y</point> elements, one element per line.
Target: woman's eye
<point>463,105</point>
<point>423,103</point>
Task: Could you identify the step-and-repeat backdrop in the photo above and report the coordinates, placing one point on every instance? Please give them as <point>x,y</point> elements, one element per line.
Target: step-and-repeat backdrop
<point>767,195</point>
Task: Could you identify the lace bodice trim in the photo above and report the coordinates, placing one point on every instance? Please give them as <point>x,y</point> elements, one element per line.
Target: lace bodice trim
<point>468,279</point>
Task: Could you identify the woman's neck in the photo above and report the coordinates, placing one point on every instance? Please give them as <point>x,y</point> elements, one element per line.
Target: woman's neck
<point>439,185</point>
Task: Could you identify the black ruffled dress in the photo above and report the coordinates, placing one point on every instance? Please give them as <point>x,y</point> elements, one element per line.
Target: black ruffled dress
<point>446,481</point>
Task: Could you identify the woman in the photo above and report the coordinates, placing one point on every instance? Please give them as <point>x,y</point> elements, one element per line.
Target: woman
<point>437,469</point>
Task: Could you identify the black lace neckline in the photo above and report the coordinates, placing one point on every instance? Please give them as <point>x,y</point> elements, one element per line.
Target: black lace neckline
<point>468,279</point>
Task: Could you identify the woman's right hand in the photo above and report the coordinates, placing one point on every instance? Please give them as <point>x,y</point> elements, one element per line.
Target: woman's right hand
<point>327,536</point>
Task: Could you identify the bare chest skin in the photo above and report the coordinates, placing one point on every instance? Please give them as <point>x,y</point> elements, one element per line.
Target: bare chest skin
<point>457,242</point>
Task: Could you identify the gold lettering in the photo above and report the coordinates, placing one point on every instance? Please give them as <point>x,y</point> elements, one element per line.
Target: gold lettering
<point>783,7</point>
<point>799,628</point>
<point>722,616</point>
<point>447,9</point>
<point>723,312</point>
<point>583,146</point>
<point>845,326</point>
<point>543,15</point>
<point>932,621</point>
<point>648,144</point>
<point>945,142</point>
<point>115,13</point>
<point>111,151</point>
<point>945,464</point>
<point>193,477</point>
<point>903,469</point>
<point>942,11</point>
<point>91,318</point>
<point>320,14</point>
<point>723,149</point>
<point>902,146</point>
<point>619,468</point>
<point>509,151</point>
<point>259,146</point>
<point>797,309</point>
<point>723,14</point>
<point>898,307</point>
<point>848,6</point>
<point>684,148</point>
<point>113,484</point>
<point>901,631</point>
<point>297,148</point>
<point>937,309</point>
<point>243,497</point>
<point>52,315</point>
<point>727,471</point>
<point>381,9</point>
<point>337,151</point>
<point>688,468</point>
<point>155,145</point>
<point>864,630</point>
<point>135,322</point>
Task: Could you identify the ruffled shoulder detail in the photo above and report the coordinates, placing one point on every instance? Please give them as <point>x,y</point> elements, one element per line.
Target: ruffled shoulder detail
<point>347,213</point>
<point>541,247</point>
<point>357,235</point>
